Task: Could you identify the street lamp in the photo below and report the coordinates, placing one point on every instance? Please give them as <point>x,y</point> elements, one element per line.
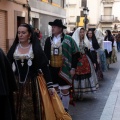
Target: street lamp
<point>85,12</point>
<point>28,9</point>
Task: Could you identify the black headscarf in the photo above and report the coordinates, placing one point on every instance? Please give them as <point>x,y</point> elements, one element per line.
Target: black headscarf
<point>109,36</point>
<point>94,40</point>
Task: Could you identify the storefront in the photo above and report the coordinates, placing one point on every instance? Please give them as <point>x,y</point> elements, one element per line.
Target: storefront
<point>12,14</point>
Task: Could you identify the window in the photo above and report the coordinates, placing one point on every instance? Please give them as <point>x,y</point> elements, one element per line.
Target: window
<point>84,3</point>
<point>62,3</point>
<point>50,1</point>
<point>107,10</point>
<point>81,14</point>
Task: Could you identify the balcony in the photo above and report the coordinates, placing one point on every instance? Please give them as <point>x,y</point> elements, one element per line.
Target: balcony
<point>107,19</point>
<point>107,1</point>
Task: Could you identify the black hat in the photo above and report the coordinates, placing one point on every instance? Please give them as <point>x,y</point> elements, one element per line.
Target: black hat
<point>58,23</point>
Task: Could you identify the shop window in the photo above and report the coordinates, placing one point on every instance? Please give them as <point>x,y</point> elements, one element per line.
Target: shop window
<point>50,1</point>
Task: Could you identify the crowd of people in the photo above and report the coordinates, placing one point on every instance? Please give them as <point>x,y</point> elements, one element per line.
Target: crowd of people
<point>75,61</point>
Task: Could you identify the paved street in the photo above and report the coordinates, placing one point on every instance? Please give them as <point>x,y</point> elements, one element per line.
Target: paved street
<point>92,107</point>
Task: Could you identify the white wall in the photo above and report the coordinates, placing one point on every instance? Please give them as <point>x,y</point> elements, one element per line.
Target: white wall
<point>116,10</point>
<point>94,7</point>
<point>72,10</point>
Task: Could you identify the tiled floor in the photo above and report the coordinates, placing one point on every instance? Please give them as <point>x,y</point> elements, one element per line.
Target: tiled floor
<point>112,108</point>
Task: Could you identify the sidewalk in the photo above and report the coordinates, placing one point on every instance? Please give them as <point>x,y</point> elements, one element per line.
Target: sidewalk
<point>112,108</point>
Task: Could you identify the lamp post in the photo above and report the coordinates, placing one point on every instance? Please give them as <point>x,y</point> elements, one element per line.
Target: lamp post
<point>85,12</point>
<point>28,9</point>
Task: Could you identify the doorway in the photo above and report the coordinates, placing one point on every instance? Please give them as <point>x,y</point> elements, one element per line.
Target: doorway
<point>35,22</point>
<point>20,20</point>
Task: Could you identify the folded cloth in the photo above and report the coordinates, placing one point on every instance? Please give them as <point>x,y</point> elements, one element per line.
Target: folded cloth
<point>52,105</point>
<point>47,108</point>
<point>59,110</point>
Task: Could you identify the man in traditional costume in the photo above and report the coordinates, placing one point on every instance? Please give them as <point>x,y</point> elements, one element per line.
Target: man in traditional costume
<point>62,53</point>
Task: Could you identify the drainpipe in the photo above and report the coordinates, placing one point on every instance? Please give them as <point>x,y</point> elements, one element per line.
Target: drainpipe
<point>28,9</point>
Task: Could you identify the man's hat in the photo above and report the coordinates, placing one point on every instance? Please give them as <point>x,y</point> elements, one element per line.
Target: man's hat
<point>58,23</point>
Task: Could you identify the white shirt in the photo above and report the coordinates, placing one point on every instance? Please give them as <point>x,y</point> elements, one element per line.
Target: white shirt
<point>91,47</point>
<point>57,38</point>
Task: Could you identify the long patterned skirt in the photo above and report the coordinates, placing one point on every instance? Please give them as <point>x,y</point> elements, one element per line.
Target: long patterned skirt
<point>98,65</point>
<point>111,57</point>
<point>86,84</point>
<point>103,61</point>
<point>27,101</point>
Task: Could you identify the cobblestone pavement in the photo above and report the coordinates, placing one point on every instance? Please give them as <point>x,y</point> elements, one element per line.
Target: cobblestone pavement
<point>92,106</point>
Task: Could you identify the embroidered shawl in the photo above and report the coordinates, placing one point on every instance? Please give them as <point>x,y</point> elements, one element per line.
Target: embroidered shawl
<point>69,47</point>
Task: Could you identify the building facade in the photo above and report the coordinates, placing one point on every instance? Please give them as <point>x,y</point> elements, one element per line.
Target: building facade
<point>36,12</point>
<point>102,13</point>
<point>74,14</point>
<point>12,13</point>
<point>44,11</point>
<point>110,15</point>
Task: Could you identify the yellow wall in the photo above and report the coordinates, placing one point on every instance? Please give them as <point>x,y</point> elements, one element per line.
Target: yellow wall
<point>54,4</point>
<point>81,23</point>
<point>45,0</point>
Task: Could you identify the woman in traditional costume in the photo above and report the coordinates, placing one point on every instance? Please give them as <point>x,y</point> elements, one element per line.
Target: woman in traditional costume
<point>112,57</point>
<point>85,79</point>
<point>27,57</point>
<point>94,48</point>
<point>100,38</point>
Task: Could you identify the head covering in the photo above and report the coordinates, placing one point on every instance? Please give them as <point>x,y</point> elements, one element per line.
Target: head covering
<point>57,22</point>
<point>99,36</point>
<point>76,37</point>
<point>95,44</point>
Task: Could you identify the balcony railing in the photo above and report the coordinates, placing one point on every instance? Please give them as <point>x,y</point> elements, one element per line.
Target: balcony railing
<point>107,18</point>
<point>107,1</point>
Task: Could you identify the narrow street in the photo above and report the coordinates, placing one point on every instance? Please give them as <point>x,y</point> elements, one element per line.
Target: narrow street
<point>92,106</point>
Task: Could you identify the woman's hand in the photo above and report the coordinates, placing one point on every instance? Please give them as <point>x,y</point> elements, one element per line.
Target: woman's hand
<point>98,61</point>
<point>94,65</point>
<point>72,72</point>
<point>51,91</point>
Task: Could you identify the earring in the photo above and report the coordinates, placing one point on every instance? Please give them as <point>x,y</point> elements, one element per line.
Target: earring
<point>29,41</point>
